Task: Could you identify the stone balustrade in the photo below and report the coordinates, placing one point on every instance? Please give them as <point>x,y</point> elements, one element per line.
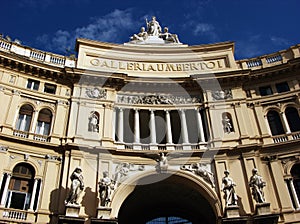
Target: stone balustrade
<point>270,59</point>
<point>41,56</point>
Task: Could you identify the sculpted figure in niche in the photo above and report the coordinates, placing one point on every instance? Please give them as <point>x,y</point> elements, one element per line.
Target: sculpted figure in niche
<point>228,189</point>
<point>77,186</point>
<point>105,188</point>
<point>153,27</point>
<point>227,125</point>
<point>257,184</point>
<point>168,36</point>
<point>141,36</point>
<point>93,122</point>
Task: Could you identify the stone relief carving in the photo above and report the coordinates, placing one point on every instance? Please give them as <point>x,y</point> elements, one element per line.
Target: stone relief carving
<point>76,188</point>
<point>257,184</point>
<point>123,170</point>
<point>157,99</point>
<point>202,171</point>
<point>222,94</point>
<point>96,93</point>
<point>228,188</point>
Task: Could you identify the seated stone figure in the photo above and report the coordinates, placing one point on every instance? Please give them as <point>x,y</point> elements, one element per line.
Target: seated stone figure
<point>141,36</point>
<point>168,36</point>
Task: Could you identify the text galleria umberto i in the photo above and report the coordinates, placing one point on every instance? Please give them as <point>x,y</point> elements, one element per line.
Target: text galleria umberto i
<point>149,131</point>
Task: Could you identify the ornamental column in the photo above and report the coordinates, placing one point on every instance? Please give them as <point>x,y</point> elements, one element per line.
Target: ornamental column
<point>33,195</point>
<point>136,126</point>
<point>113,132</point>
<point>268,125</point>
<point>285,123</point>
<point>200,126</point>
<point>294,193</point>
<point>169,128</point>
<point>120,125</point>
<point>184,130</point>
<point>4,194</point>
<point>152,128</point>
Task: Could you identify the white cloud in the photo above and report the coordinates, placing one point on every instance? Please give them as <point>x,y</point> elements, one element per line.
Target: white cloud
<point>110,28</point>
<point>280,41</point>
<point>203,28</point>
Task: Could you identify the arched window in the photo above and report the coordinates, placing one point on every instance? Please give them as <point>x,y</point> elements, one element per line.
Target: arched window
<point>24,118</point>
<point>275,123</point>
<point>93,125</point>
<point>44,122</point>
<point>295,172</point>
<point>20,187</point>
<point>293,119</point>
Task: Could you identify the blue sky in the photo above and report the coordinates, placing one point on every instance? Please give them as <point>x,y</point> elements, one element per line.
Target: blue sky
<point>257,27</point>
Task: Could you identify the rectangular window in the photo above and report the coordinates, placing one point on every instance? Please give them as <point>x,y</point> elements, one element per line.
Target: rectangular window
<point>49,88</point>
<point>282,87</point>
<point>265,90</point>
<point>33,84</point>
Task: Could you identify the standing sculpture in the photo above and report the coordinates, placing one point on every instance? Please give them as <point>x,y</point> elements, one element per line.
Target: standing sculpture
<point>105,188</point>
<point>153,27</point>
<point>228,188</point>
<point>257,184</point>
<point>77,186</point>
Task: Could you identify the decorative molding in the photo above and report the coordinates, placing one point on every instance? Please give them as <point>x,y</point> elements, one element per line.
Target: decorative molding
<point>51,157</point>
<point>96,93</point>
<point>3,148</point>
<point>157,99</point>
<point>222,94</point>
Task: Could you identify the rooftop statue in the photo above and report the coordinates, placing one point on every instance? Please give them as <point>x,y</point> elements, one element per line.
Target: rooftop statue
<point>153,27</point>
<point>154,34</point>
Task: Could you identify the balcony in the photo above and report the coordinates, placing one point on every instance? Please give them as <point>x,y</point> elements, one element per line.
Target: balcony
<point>161,147</point>
<point>36,55</point>
<point>286,137</point>
<point>270,59</point>
<point>10,215</point>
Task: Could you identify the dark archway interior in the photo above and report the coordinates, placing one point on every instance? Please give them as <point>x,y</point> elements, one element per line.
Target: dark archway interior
<point>169,196</point>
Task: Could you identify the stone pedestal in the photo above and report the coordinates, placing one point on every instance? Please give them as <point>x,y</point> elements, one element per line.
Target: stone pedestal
<point>232,211</point>
<point>262,209</point>
<point>72,210</point>
<point>103,212</point>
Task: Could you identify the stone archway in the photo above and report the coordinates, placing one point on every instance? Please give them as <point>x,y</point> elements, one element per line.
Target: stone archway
<point>169,196</point>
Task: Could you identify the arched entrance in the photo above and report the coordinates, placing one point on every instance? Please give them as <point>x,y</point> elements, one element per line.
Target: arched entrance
<point>171,197</point>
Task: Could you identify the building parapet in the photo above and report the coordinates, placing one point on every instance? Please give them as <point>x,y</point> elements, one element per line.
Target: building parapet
<point>37,55</point>
<point>269,60</point>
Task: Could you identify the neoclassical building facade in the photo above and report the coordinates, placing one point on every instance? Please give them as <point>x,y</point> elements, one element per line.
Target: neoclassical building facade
<point>149,131</point>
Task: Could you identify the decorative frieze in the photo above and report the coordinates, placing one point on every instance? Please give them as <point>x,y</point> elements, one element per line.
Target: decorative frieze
<point>222,94</point>
<point>157,99</point>
<point>96,93</point>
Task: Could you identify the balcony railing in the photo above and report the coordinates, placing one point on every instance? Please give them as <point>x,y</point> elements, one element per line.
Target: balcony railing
<point>286,137</point>
<point>160,147</point>
<point>14,214</point>
<point>270,59</point>
<point>22,134</point>
<point>41,56</point>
